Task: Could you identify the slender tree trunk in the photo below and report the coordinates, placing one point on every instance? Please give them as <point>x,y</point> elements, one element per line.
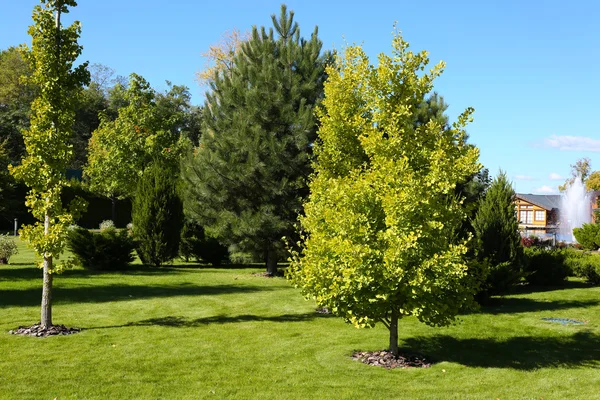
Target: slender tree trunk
<point>394,332</point>
<point>46,320</point>
<point>271,261</point>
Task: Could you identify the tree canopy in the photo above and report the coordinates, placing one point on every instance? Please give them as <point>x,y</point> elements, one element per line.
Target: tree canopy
<point>246,179</point>
<point>145,129</point>
<point>53,51</point>
<point>380,222</point>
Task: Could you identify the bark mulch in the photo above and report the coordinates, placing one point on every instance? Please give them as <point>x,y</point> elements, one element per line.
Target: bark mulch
<point>38,331</point>
<point>387,360</point>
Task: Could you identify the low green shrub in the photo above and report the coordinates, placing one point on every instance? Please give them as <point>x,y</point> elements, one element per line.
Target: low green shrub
<point>195,244</point>
<point>493,279</point>
<point>8,248</point>
<point>585,265</point>
<point>107,250</point>
<point>588,236</point>
<point>546,267</point>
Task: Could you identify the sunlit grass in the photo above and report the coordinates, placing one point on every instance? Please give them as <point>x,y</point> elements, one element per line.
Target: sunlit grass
<point>223,333</point>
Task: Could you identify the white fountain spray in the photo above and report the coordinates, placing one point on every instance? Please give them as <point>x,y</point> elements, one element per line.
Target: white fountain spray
<point>575,209</point>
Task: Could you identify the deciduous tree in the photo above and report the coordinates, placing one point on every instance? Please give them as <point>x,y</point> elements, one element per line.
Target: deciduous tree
<point>144,130</point>
<point>381,217</point>
<point>53,51</point>
<point>220,56</point>
<point>581,169</point>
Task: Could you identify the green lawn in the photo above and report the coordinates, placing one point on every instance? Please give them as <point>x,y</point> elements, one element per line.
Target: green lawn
<point>222,333</point>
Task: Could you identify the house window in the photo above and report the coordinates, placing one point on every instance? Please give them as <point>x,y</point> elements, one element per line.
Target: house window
<point>539,216</point>
<point>526,217</point>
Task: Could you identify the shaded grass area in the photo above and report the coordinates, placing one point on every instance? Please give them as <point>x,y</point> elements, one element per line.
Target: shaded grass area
<point>189,333</point>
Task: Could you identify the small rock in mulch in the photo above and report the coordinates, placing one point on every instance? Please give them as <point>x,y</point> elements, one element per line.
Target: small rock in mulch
<point>323,310</point>
<point>38,331</point>
<point>387,360</point>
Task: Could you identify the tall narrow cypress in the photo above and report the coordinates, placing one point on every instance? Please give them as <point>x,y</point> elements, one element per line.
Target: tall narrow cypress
<point>157,216</point>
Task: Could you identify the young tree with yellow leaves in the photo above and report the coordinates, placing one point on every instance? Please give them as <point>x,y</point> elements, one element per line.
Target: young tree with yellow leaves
<point>381,220</point>
<point>53,51</point>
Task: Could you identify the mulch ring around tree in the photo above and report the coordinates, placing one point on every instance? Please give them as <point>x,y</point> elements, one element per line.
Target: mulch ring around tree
<point>38,331</point>
<point>387,360</point>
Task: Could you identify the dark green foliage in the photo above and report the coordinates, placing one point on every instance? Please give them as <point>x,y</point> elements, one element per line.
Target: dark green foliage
<point>157,216</point>
<point>108,250</point>
<point>588,236</point>
<point>87,120</point>
<point>99,207</point>
<point>546,267</point>
<point>248,176</point>
<point>195,244</point>
<point>584,265</point>
<point>497,236</point>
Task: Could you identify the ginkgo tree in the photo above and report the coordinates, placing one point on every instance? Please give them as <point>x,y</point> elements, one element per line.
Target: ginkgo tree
<point>53,51</point>
<point>381,221</point>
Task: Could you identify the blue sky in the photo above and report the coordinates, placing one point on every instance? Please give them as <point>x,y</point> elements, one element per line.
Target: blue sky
<point>530,69</point>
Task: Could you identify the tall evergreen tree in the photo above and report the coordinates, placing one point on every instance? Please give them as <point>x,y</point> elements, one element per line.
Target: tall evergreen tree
<point>157,215</point>
<point>497,233</point>
<point>247,178</point>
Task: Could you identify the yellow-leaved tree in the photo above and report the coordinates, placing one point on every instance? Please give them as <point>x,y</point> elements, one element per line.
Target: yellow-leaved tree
<point>381,220</point>
<point>53,51</point>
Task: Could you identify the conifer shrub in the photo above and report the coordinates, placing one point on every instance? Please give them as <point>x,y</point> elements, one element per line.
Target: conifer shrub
<point>195,244</point>
<point>157,216</point>
<point>498,242</point>
<point>107,250</point>
<point>546,267</point>
<point>8,248</point>
<point>588,236</point>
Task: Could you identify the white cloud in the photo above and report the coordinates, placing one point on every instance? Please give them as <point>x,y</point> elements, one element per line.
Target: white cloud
<point>523,178</point>
<point>555,177</point>
<point>545,189</point>
<point>572,143</point>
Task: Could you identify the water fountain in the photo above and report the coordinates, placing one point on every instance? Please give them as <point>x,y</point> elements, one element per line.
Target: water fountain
<point>575,209</point>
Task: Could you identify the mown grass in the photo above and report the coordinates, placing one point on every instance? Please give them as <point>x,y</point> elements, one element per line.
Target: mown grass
<point>188,333</point>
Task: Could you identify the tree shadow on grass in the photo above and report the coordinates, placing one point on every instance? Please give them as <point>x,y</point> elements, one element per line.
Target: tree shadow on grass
<point>581,349</point>
<point>31,273</point>
<point>182,322</point>
<point>511,305</point>
<point>527,289</point>
<point>98,294</point>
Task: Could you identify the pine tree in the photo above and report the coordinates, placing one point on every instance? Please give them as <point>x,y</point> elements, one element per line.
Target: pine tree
<point>157,216</point>
<point>498,239</point>
<point>247,178</point>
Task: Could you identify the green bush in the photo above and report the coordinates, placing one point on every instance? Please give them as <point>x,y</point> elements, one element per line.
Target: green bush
<point>588,236</point>
<point>108,250</point>
<point>8,248</point>
<point>195,244</point>
<point>546,267</point>
<point>585,265</point>
<point>157,216</point>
